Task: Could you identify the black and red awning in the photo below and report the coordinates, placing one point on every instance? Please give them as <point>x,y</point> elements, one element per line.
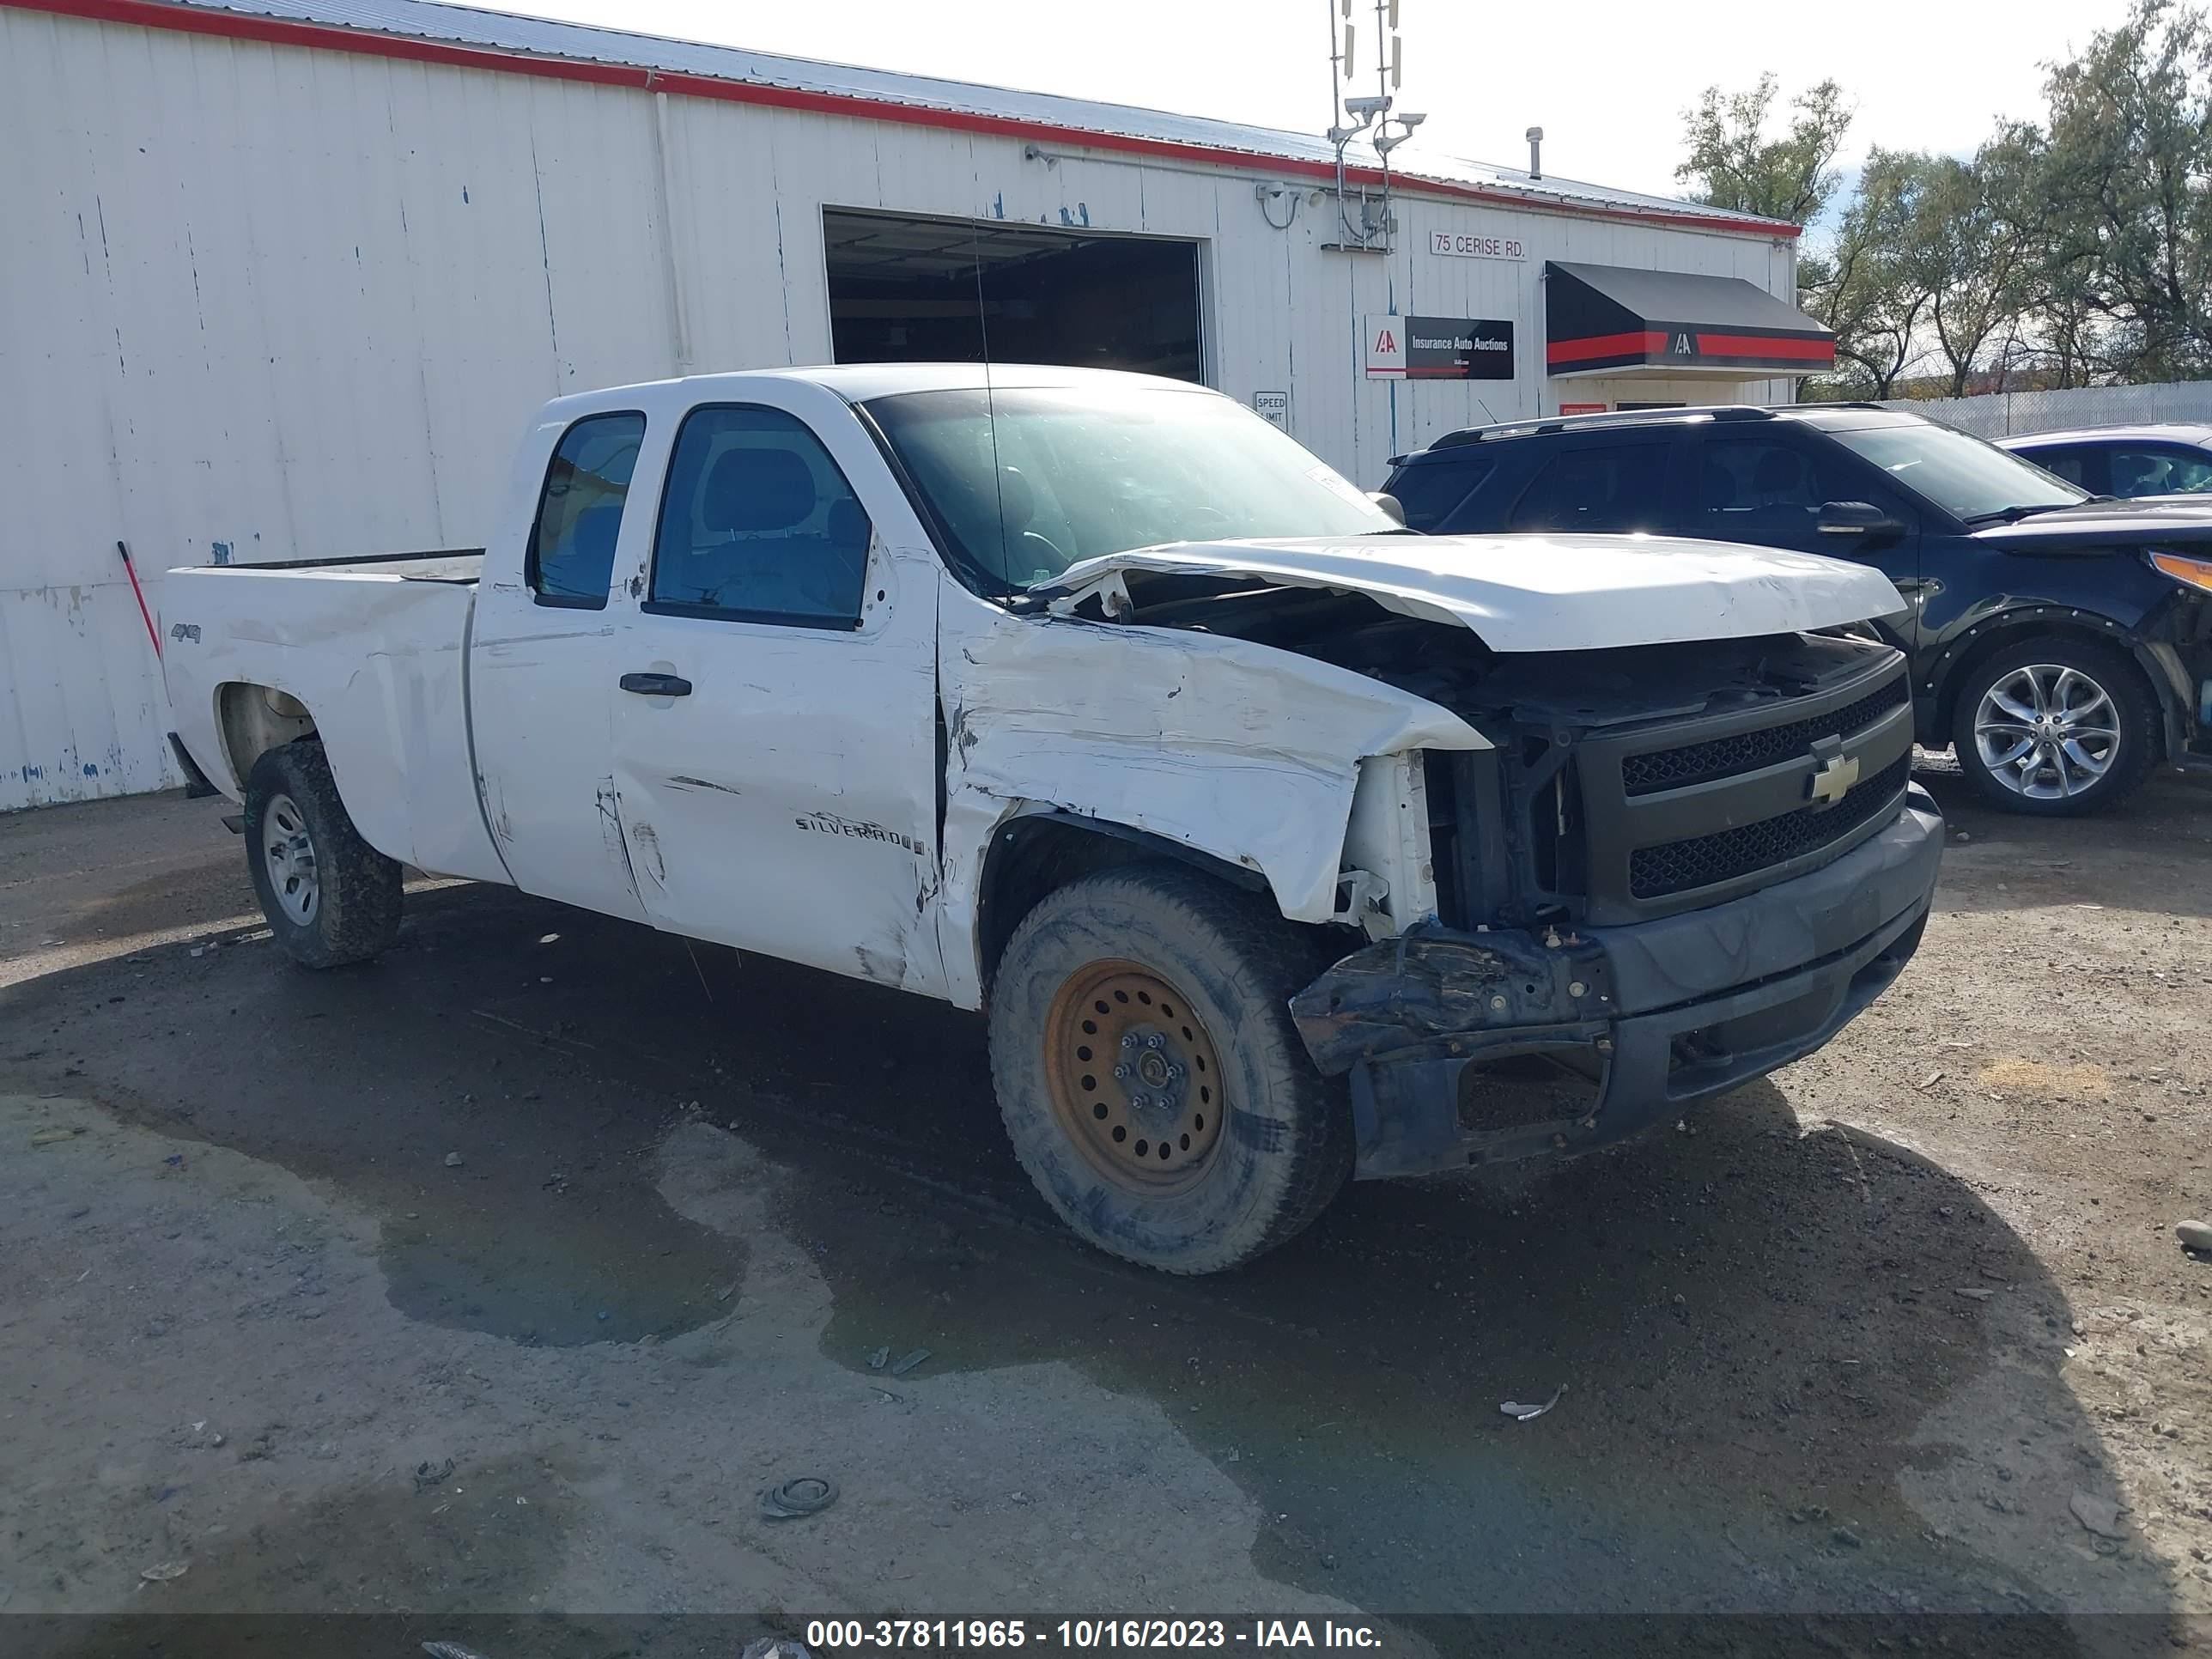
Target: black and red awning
<point>1608,319</point>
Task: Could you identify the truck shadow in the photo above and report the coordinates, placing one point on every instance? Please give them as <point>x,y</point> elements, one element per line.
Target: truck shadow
<point>1763,1337</point>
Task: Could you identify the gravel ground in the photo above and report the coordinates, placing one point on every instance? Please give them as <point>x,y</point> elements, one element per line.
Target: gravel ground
<point>499,1277</point>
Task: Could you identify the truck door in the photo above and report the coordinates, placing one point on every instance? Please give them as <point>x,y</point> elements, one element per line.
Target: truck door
<point>538,666</point>
<point>775,689</point>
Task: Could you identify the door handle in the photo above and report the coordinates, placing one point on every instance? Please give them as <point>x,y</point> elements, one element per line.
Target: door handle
<point>657,685</point>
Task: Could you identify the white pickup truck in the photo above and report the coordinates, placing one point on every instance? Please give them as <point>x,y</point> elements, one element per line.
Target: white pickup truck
<point>1276,841</point>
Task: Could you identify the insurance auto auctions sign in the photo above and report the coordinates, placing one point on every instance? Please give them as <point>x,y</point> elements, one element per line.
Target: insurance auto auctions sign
<point>1438,347</point>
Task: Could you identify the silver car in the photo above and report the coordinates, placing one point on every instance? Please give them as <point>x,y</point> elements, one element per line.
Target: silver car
<point>2169,459</point>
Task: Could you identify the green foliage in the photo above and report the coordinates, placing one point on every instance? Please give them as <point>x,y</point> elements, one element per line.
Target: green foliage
<point>2126,163</point>
<point>2061,253</point>
<point>1734,162</point>
<point>1863,286</point>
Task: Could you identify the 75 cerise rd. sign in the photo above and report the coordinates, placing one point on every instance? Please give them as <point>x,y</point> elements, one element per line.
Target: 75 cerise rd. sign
<point>1472,244</point>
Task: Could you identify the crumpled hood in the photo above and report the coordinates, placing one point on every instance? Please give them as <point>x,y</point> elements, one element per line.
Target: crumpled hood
<point>1542,592</point>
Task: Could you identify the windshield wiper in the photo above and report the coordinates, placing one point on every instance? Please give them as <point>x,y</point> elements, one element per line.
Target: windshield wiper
<point>2014,514</point>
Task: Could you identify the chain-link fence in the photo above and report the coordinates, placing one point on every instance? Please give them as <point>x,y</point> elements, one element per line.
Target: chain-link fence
<point>2000,413</point>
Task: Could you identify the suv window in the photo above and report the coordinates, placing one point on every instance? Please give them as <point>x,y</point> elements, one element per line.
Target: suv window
<point>1758,489</point>
<point>2071,463</point>
<point>1597,487</point>
<point>1430,490</point>
<point>757,524</point>
<point>571,557</point>
<point>2158,469</point>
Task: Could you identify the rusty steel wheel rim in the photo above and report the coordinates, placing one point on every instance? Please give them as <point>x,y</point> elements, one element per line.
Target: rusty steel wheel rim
<point>1134,1077</point>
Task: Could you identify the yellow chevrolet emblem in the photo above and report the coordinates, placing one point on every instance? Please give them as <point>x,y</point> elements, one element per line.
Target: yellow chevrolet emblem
<point>1834,779</point>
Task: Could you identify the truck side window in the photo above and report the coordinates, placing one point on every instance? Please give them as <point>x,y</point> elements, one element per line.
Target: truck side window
<point>571,557</point>
<point>1607,488</point>
<point>757,524</point>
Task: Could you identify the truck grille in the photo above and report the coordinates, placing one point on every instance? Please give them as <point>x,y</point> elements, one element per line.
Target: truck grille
<point>1747,751</point>
<point>1629,822</point>
<point>1677,866</point>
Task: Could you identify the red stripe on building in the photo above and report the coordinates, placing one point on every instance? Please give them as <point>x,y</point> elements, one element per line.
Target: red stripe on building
<point>1783,348</point>
<point>332,37</point>
<point>1640,342</point>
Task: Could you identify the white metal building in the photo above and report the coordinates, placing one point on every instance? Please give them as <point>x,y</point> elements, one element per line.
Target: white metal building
<point>283,279</point>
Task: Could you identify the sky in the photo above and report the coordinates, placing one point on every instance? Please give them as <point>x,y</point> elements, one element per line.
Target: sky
<point>1607,81</point>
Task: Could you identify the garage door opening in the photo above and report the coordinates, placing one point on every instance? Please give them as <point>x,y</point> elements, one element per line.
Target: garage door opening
<point>929,290</point>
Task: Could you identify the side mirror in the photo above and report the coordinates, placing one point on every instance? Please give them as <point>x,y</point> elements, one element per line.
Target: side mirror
<point>1389,503</point>
<point>1858,519</point>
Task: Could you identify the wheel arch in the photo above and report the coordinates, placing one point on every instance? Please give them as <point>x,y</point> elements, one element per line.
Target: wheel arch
<point>252,719</point>
<point>1035,852</point>
<point>1955,667</point>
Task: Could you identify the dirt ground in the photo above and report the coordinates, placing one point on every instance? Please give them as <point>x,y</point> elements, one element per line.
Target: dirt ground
<point>499,1277</point>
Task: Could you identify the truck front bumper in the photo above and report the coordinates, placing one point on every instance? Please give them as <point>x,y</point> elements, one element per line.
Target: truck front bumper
<point>1653,1015</point>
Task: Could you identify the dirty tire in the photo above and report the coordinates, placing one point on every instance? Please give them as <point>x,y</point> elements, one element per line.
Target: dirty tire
<point>2136,713</point>
<point>1283,1143</point>
<point>356,911</point>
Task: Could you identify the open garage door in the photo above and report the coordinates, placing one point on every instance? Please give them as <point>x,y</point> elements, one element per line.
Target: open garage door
<point>908,290</point>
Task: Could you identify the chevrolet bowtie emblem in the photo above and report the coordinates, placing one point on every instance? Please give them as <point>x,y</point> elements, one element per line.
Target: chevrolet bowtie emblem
<point>1834,779</point>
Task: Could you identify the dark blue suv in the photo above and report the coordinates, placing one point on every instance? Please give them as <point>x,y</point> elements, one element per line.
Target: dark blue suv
<point>2060,641</point>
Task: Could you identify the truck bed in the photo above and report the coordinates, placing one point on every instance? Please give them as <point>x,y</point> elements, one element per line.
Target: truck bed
<point>445,564</point>
<point>376,649</point>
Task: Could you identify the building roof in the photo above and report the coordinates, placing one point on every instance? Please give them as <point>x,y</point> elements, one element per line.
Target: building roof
<point>422,30</point>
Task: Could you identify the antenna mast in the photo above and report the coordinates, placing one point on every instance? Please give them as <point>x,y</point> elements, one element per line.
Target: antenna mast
<point>1370,118</point>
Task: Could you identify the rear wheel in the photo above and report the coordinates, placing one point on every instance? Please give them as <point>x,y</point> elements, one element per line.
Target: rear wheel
<point>2055,727</point>
<point>1149,1074</point>
<point>330,897</point>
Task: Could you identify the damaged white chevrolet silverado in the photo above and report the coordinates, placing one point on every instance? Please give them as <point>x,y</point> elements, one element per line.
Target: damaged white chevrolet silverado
<point>1271,837</point>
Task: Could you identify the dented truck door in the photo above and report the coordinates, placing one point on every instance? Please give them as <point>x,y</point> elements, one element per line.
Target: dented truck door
<point>774,702</point>
<point>538,663</point>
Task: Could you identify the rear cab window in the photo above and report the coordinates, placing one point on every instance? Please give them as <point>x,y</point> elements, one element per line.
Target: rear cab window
<point>571,557</point>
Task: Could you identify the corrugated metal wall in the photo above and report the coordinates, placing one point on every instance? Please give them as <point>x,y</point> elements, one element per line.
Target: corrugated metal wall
<point>266,302</point>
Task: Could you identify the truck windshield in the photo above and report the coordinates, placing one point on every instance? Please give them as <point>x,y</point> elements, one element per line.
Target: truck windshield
<point>1975,482</point>
<point>1030,481</point>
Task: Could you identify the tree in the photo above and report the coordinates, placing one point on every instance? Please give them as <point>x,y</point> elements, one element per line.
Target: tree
<point>1734,163</point>
<point>1864,286</point>
<point>2071,251</point>
<point>1973,246</point>
<point>2127,169</point>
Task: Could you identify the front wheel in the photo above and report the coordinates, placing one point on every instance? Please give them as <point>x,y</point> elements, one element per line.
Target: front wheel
<point>330,897</point>
<point>1149,1074</point>
<point>2055,727</point>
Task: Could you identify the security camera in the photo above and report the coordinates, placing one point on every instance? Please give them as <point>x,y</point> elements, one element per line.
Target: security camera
<point>1366,108</point>
<point>1410,120</point>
